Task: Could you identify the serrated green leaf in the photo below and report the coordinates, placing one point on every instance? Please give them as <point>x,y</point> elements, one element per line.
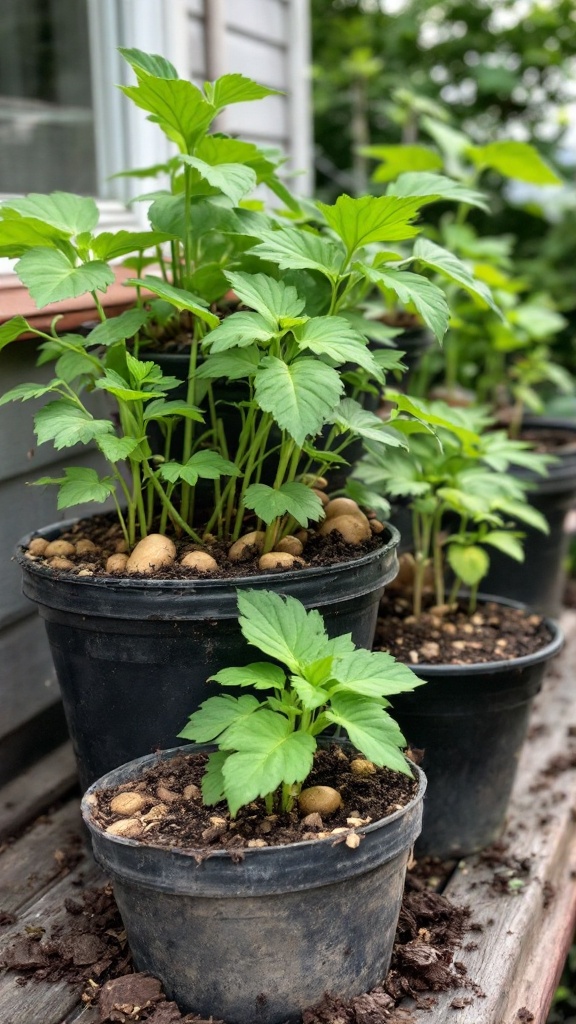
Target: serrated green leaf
<point>240,330</point>
<point>216,715</point>
<point>358,222</point>
<point>397,159</point>
<point>299,501</point>
<point>66,424</point>
<point>177,105</point>
<point>12,329</point>
<point>68,213</point>
<point>177,297</point>
<point>116,449</point>
<point>350,415</point>
<point>213,779</point>
<point>24,392</point>
<point>469,562</point>
<point>433,187</point>
<point>73,364</point>
<point>449,266</point>
<point>517,160</point>
<point>367,498</point>
<point>273,299</point>
<point>300,396</point>
<point>281,628</point>
<point>301,250</point>
<point>271,755</point>
<point>205,465</point>
<point>233,180</point>
<point>370,729</point>
<point>80,485</point>
<point>117,328</point>
<point>508,543</point>
<point>160,409</point>
<point>260,675</point>
<point>111,245</point>
<point>414,290</point>
<point>233,364</point>
<point>372,674</point>
<point>311,696</point>
<point>523,512</point>
<point>50,277</point>
<point>148,63</point>
<point>333,336</point>
<point>18,234</point>
<point>236,88</point>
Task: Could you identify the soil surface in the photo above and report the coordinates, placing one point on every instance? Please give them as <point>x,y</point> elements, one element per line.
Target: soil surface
<point>449,635</point>
<point>172,814</point>
<point>104,538</point>
<point>549,440</point>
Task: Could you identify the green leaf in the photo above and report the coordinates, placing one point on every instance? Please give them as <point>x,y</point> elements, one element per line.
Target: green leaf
<point>372,674</point>
<point>240,330</point>
<point>205,465</point>
<point>272,755</point>
<point>293,249</point>
<point>79,485</point>
<point>50,277</point>
<point>116,449</point>
<point>300,396</point>
<point>333,336</point>
<point>24,392</point>
<point>117,328</point>
<point>299,501</point>
<point>508,543</point>
<point>213,779</point>
<point>358,222</point>
<point>370,729</point>
<point>523,512</point>
<point>177,105</point>
<point>111,245</point>
<point>68,213</point>
<point>469,562</point>
<point>351,416</point>
<point>397,159</point>
<point>517,160</point>
<point>216,715</point>
<point>234,364</point>
<point>233,180</point>
<point>433,187</point>
<point>367,498</point>
<point>12,329</point>
<point>260,675</point>
<point>414,290</point>
<point>73,364</point>
<point>177,297</point>
<point>160,410</point>
<point>274,300</point>
<point>311,696</point>
<point>281,628</point>
<point>18,234</point>
<point>236,88</point>
<point>449,266</point>
<point>148,63</point>
<point>66,424</point>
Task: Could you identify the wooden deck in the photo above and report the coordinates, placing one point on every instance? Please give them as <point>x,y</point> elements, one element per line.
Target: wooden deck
<point>522,933</point>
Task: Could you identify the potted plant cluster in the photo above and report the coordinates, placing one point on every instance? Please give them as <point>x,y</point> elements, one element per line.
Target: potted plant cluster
<point>136,599</point>
<point>285,870</point>
<point>483,657</point>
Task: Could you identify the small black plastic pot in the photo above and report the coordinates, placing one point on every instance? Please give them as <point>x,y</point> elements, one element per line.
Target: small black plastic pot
<point>414,342</point>
<point>539,580</point>
<point>471,722</point>
<point>259,939</point>
<point>132,656</point>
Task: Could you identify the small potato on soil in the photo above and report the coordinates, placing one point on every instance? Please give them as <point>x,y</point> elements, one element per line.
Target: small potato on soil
<point>245,546</point>
<point>199,560</point>
<point>320,799</point>
<point>129,828</point>
<point>290,544</point>
<point>61,548</point>
<point>154,552</point>
<point>127,804</point>
<point>59,562</point>
<point>279,560</point>
<point>320,494</point>
<point>116,563</point>
<point>360,766</point>
<point>86,547</point>
<point>352,529</point>
<point>37,546</point>
<point>342,507</point>
<point>191,792</point>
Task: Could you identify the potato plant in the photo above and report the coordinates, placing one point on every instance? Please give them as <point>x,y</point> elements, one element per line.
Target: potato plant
<point>266,738</point>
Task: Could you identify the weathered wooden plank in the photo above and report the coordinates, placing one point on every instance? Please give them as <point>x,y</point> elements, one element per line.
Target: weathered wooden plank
<point>261,19</point>
<point>40,856</point>
<point>44,1003</point>
<point>27,680</point>
<point>526,934</point>
<point>35,789</point>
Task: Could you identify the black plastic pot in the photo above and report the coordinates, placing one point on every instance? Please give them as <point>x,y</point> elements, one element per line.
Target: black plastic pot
<point>132,655</point>
<point>414,342</point>
<point>539,580</point>
<point>257,940</point>
<point>471,722</point>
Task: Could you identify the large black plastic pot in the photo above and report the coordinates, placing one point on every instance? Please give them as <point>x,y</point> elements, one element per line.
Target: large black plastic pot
<point>132,655</point>
<point>539,580</point>
<point>471,722</point>
<point>257,940</point>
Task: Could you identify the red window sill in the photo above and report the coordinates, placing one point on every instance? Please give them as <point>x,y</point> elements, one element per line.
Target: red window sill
<point>15,300</point>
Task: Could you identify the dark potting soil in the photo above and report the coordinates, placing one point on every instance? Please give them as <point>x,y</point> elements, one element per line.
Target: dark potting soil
<point>104,533</point>
<point>173,815</point>
<point>446,635</point>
